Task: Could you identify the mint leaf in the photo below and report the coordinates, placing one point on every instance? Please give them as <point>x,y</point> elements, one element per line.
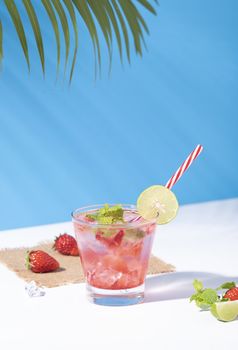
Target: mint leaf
<point>198,286</point>
<point>203,298</point>
<point>105,220</point>
<point>194,297</point>
<point>227,285</point>
<point>209,296</point>
<point>108,215</point>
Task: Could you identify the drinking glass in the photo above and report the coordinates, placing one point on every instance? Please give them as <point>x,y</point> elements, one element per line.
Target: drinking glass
<point>114,256</point>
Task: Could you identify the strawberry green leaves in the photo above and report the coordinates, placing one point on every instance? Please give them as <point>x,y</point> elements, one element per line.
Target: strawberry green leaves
<point>227,285</point>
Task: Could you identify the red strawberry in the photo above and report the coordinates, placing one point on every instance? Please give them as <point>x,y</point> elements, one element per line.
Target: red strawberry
<point>118,238</point>
<point>39,261</point>
<point>111,242</point>
<point>232,294</point>
<point>107,241</point>
<point>66,244</point>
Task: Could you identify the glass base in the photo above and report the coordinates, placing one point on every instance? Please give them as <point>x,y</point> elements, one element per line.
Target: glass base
<point>118,297</point>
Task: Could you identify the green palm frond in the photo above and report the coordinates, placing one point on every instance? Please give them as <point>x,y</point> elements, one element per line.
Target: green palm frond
<point>119,21</point>
<point>124,28</point>
<point>114,23</point>
<point>16,18</point>
<point>133,24</point>
<point>99,12</point>
<point>52,17</point>
<point>148,6</point>
<point>86,15</point>
<point>65,26</point>
<point>71,11</point>
<point>36,29</point>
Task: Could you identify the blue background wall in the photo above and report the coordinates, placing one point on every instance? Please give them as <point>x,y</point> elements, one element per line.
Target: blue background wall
<point>105,141</point>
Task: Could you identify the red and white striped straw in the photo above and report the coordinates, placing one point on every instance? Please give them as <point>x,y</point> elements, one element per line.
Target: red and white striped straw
<point>186,164</point>
<point>181,170</point>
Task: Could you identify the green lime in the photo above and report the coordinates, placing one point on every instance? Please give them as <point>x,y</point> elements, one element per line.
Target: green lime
<point>157,202</point>
<point>225,311</point>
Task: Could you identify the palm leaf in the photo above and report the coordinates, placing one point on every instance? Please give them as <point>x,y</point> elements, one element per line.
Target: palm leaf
<point>148,6</point>
<point>36,29</point>
<point>71,11</point>
<point>136,14</point>
<point>133,24</point>
<point>1,39</point>
<point>51,14</point>
<point>117,20</point>
<point>139,20</point>
<point>99,12</point>
<point>114,23</point>
<point>124,28</point>
<point>65,26</point>
<point>86,15</point>
<point>15,16</point>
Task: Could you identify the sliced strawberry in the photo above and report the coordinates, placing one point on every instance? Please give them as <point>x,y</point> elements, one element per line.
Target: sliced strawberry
<point>232,294</point>
<point>118,238</point>
<point>107,241</point>
<point>111,242</point>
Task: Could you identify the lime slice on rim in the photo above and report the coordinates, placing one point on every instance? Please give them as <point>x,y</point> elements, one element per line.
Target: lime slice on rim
<point>225,311</point>
<point>157,202</point>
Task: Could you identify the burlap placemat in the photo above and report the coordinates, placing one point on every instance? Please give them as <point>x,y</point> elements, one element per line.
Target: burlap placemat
<point>71,269</point>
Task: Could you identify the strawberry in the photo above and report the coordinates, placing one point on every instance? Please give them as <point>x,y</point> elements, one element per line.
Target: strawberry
<point>110,242</point>
<point>39,261</point>
<point>66,245</point>
<point>232,294</point>
<point>118,238</point>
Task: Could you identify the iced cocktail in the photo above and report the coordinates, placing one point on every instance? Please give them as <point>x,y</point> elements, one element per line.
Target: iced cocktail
<point>115,241</point>
<point>115,246</point>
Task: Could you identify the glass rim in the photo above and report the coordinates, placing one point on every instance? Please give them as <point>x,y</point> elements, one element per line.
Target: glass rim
<point>116,225</point>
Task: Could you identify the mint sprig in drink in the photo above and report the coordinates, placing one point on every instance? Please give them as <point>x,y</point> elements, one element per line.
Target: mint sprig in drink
<point>115,241</point>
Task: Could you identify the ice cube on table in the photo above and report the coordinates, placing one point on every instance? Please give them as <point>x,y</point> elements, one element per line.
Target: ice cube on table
<point>33,290</point>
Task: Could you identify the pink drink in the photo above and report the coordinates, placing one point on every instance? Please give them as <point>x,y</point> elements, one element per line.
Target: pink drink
<point>115,256</point>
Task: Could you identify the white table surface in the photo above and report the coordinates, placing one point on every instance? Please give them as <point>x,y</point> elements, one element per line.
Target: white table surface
<point>202,243</point>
